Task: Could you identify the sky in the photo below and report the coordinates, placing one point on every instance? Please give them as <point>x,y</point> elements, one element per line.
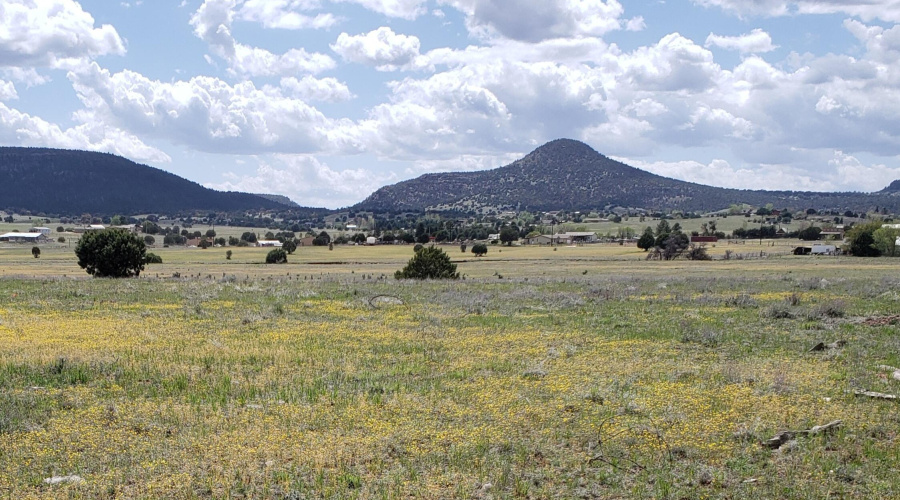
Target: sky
<point>325,101</point>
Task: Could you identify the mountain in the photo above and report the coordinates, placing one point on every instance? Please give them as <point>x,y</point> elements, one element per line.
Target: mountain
<point>568,175</point>
<point>74,182</point>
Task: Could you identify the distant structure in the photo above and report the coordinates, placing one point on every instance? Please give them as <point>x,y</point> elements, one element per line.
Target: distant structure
<point>23,237</point>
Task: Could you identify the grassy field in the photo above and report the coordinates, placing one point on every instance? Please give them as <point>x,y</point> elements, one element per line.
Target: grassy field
<point>583,372</point>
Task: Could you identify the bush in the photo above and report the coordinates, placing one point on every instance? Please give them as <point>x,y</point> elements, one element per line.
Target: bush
<point>36,252</point>
<point>462,248</point>
<point>418,248</point>
<point>277,256</point>
<point>228,255</point>
<point>113,253</point>
<point>479,249</point>
<point>429,263</point>
<point>61,239</point>
<point>289,246</point>
<point>152,258</point>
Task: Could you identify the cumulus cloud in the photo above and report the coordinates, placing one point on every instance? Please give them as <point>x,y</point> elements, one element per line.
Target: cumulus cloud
<point>8,91</point>
<point>26,130</point>
<point>381,48</point>
<point>286,14</point>
<point>212,23</point>
<point>885,10</point>
<point>52,34</point>
<point>403,9</point>
<point>306,180</point>
<point>536,20</point>
<point>210,115</point>
<point>310,88</point>
<point>755,42</point>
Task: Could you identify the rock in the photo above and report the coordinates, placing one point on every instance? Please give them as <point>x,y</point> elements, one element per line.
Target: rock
<point>73,479</point>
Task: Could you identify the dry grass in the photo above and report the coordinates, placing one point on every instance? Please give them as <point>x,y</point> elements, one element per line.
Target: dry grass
<point>636,379</point>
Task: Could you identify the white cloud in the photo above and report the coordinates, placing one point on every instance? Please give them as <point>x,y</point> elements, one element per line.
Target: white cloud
<point>675,63</point>
<point>26,130</point>
<point>285,14</point>
<point>52,33</point>
<point>851,174</point>
<point>755,42</point>
<point>886,10</point>
<point>212,23</point>
<point>310,88</point>
<point>306,180</point>
<point>381,48</point>
<point>210,115</point>
<point>8,91</point>
<point>535,20</point>
<point>403,9</point>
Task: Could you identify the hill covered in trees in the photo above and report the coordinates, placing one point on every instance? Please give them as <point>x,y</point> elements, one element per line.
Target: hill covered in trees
<point>58,181</point>
<point>569,175</point>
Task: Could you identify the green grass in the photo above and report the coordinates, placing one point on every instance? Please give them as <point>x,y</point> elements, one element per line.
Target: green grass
<point>531,378</point>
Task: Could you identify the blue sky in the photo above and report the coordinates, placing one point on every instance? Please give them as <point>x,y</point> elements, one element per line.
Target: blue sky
<point>324,101</point>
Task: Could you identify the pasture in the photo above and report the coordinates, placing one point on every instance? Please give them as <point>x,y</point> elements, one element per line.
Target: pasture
<point>581,372</point>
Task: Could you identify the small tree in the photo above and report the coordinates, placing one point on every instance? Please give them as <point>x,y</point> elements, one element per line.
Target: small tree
<point>462,248</point>
<point>289,246</point>
<point>646,241</point>
<point>149,240</point>
<point>418,248</point>
<point>479,249</point>
<point>429,263</point>
<point>152,258</point>
<point>61,239</point>
<point>508,235</point>
<point>885,240</point>
<point>36,252</point>
<point>277,256</point>
<point>113,253</point>
<point>228,255</point>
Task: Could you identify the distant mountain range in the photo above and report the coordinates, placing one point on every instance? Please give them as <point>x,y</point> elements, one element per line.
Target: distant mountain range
<point>58,181</point>
<point>560,175</point>
<point>567,174</point>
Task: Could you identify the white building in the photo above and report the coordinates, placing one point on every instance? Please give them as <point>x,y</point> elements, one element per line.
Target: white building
<point>43,230</point>
<point>23,237</point>
<point>268,243</point>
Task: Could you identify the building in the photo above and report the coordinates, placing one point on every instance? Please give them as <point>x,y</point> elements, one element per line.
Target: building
<point>541,239</point>
<point>23,237</point>
<point>268,243</point>
<point>574,238</point>
<point>43,230</point>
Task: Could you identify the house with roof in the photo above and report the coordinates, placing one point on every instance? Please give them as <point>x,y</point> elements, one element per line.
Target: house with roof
<point>23,237</point>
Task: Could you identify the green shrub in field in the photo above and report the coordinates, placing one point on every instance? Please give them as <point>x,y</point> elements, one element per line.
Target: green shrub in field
<point>479,249</point>
<point>152,258</point>
<point>277,256</point>
<point>113,253</point>
<point>418,248</point>
<point>290,246</point>
<point>429,263</point>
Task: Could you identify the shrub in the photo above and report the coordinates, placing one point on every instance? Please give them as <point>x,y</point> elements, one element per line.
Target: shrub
<point>289,246</point>
<point>152,258</point>
<point>61,239</point>
<point>277,256</point>
<point>479,249</point>
<point>228,255</point>
<point>113,253</point>
<point>36,252</point>
<point>418,248</point>
<point>462,248</point>
<point>149,240</point>
<point>429,263</point>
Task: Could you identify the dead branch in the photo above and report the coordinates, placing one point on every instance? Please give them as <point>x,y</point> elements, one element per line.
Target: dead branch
<point>784,436</point>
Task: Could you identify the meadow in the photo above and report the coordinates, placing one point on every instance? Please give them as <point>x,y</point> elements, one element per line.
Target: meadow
<point>581,372</point>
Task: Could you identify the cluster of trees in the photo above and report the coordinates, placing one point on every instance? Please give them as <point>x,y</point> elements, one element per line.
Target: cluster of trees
<point>872,239</point>
<point>667,242</point>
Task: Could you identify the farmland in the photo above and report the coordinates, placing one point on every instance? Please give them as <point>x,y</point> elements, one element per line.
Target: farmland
<point>578,372</point>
